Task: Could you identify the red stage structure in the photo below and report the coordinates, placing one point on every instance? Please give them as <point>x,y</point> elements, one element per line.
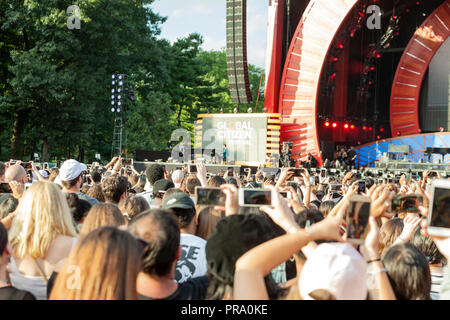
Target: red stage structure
<point>313,84</point>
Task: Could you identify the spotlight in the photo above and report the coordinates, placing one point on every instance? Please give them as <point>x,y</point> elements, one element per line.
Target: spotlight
<point>378,138</point>
<point>327,123</point>
<point>120,77</point>
<point>346,126</point>
<point>370,128</point>
<point>364,128</point>
<point>352,126</point>
<point>120,83</point>
<point>113,90</point>
<point>399,133</point>
<point>112,109</point>
<point>112,97</point>
<point>334,125</point>
<point>112,102</point>
<point>113,83</point>
<point>359,143</point>
<point>381,130</point>
<point>118,109</point>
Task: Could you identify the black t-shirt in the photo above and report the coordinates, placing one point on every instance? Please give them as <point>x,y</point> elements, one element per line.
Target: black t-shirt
<point>350,155</point>
<point>193,289</point>
<point>11,293</point>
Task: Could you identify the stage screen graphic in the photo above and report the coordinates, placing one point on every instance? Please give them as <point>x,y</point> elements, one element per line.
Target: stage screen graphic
<point>245,136</point>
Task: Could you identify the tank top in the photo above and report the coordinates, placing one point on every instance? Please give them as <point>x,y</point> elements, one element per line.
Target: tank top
<point>34,284</point>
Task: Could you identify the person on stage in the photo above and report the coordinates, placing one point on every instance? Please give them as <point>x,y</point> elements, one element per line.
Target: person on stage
<point>213,156</point>
<point>225,154</point>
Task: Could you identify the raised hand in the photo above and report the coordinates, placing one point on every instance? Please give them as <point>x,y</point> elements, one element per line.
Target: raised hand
<point>280,212</point>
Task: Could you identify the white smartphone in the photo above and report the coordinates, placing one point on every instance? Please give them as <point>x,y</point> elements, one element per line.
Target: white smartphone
<point>439,209</point>
<point>249,197</point>
<point>358,214</point>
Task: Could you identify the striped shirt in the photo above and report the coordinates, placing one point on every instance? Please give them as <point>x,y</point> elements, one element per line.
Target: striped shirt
<point>436,280</point>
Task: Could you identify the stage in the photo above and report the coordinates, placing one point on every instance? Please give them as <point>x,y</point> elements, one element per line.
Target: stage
<point>210,168</point>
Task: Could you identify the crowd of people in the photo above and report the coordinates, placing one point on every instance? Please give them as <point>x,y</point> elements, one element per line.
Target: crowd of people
<point>109,232</point>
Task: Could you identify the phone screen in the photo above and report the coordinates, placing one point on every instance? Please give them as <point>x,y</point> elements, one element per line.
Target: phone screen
<point>406,203</point>
<point>440,215</point>
<point>358,219</point>
<point>5,188</point>
<point>336,187</point>
<point>323,173</point>
<point>210,197</point>
<point>285,194</point>
<point>230,171</point>
<point>192,168</point>
<point>257,197</point>
<point>293,185</point>
<point>361,186</point>
<point>297,172</point>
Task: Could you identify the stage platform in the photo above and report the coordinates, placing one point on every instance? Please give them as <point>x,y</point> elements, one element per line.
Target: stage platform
<point>211,168</point>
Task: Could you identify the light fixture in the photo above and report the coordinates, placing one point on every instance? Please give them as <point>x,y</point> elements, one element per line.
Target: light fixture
<point>113,76</point>
<point>113,83</point>
<point>112,109</point>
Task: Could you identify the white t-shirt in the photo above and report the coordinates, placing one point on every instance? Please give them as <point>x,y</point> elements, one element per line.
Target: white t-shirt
<point>192,262</point>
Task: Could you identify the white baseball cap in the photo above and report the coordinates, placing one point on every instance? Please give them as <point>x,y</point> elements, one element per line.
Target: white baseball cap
<point>337,268</point>
<point>71,169</point>
<point>44,173</point>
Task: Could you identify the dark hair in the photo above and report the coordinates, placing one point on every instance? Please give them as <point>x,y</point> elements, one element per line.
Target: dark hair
<point>3,238</point>
<point>183,216</point>
<point>232,237</point>
<point>2,169</point>
<point>163,239</point>
<point>154,173</point>
<point>169,192</point>
<point>191,183</point>
<point>78,207</point>
<point>326,207</point>
<point>427,246</point>
<point>231,180</point>
<point>389,232</point>
<point>408,272</point>
<point>207,221</point>
<point>70,183</point>
<point>96,192</point>
<point>216,181</point>
<point>96,177</point>
<point>8,205</point>
<point>308,215</point>
<point>113,187</point>
<point>133,205</point>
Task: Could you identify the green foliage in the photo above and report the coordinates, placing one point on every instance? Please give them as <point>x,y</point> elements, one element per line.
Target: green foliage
<point>55,83</point>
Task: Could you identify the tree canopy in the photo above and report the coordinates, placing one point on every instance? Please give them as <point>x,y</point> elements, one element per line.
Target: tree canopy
<point>55,82</point>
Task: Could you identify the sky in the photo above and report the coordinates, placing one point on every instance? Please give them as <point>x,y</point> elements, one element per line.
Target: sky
<point>207,17</point>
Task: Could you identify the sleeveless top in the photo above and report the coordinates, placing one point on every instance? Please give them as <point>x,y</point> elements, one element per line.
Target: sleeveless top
<point>33,284</point>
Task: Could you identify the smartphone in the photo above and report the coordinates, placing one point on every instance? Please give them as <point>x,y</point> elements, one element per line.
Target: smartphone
<point>407,203</point>
<point>298,172</point>
<point>286,194</point>
<point>254,197</point>
<point>293,185</point>
<point>361,186</point>
<point>323,173</point>
<point>230,171</point>
<point>5,188</point>
<point>336,187</point>
<point>27,166</point>
<point>122,171</point>
<point>127,162</point>
<point>357,219</point>
<point>420,173</point>
<point>192,168</point>
<point>209,196</point>
<point>439,210</point>
<point>432,174</point>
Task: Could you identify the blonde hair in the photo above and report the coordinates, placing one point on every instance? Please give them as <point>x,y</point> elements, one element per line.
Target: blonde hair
<point>42,215</point>
<point>101,215</point>
<point>107,262</point>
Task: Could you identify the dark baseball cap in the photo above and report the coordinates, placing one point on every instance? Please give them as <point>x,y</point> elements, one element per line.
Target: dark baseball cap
<point>162,185</point>
<point>178,200</point>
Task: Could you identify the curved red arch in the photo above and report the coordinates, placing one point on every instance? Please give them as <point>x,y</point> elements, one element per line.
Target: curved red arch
<point>404,109</point>
<point>302,71</point>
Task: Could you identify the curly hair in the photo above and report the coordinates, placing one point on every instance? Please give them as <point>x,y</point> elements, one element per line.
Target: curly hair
<point>154,173</point>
